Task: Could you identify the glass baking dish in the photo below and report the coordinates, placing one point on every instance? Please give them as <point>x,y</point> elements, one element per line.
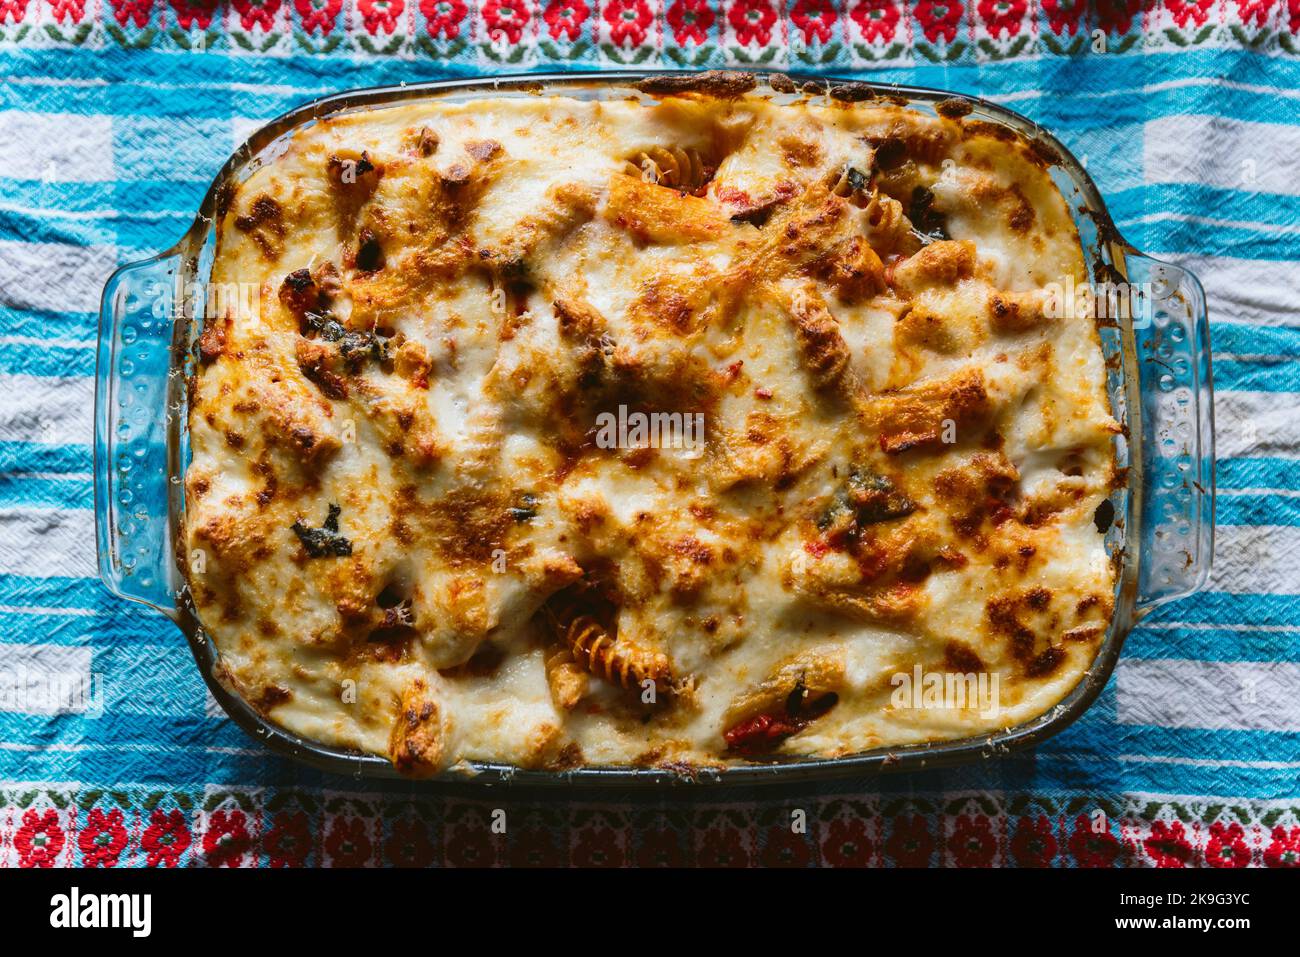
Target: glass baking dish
<point>1159,381</point>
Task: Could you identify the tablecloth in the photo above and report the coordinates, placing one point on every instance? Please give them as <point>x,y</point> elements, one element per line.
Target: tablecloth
<point>115,114</point>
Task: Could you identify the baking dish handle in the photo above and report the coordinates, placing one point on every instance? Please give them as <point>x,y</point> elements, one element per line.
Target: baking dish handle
<point>1171,333</point>
<point>133,365</point>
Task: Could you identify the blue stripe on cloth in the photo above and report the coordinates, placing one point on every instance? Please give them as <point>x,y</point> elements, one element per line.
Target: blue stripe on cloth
<point>1258,473</point>
<point>128,628</point>
<point>85,594</point>
<point>36,457</point>
<point>47,360</point>
<point>134,213</point>
<point>47,324</point>
<point>1258,510</point>
<point>1232,338</point>
<point>1262,374</point>
<point>1236,205</point>
<point>1225,608</point>
<point>146,232</point>
<point>1208,643</point>
<point>149,82</point>
<point>43,227</point>
<point>129,197</point>
<point>1243,242</point>
<point>45,491</point>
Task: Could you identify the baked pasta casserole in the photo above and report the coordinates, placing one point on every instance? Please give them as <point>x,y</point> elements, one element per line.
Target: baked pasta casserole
<point>687,429</point>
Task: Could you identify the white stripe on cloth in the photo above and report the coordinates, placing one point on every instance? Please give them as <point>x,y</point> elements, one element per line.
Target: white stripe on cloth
<point>1222,626</point>
<point>1192,82</point>
<point>55,277</point>
<point>241,128</point>
<point>1256,493</point>
<point>48,410</point>
<point>1278,229</point>
<point>1208,762</point>
<point>56,147</point>
<point>95,214</point>
<point>1256,559</point>
<point>46,611</point>
<point>1263,292</point>
<point>48,542</point>
<point>1221,151</point>
<point>1256,424</point>
<point>1217,695</point>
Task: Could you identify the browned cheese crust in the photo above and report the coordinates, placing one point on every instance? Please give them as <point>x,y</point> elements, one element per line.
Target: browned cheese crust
<point>414,540</point>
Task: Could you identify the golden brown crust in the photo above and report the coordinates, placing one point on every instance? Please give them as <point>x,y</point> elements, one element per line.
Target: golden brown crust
<point>723,84</point>
<point>650,431</point>
<point>919,416</point>
<point>415,745</point>
<point>654,213</point>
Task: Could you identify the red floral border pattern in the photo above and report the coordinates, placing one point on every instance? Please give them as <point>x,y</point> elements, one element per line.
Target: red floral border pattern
<point>810,33</point>
<point>45,827</point>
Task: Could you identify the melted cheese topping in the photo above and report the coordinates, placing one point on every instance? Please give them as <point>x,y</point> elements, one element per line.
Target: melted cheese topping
<point>413,541</point>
